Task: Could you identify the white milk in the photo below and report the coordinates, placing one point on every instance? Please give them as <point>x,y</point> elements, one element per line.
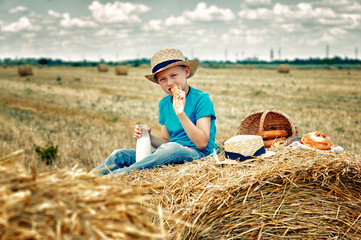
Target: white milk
<point>144,148</point>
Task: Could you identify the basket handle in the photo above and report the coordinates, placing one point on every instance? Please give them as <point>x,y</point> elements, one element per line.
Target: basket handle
<point>260,128</point>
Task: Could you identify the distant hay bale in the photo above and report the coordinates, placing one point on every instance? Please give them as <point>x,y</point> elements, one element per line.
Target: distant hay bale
<point>25,70</point>
<point>4,66</point>
<point>283,68</point>
<point>240,66</point>
<point>358,67</point>
<point>253,66</point>
<point>332,68</point>
<point>121,70</point>
<point>144,65</point>
<point>102,68</point>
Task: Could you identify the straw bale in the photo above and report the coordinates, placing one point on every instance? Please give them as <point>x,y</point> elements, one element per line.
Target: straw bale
<point>121,70</point>
<point>102,68</point>
<point>72,204</point>
<point>143,65</point>
<point>283,68</point>
<point>332,68</point>
<point>296,194</point>
<point>25,70</point>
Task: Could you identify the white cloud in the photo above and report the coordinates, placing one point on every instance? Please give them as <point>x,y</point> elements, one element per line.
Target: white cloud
<point>300,11</point>
<point>211,13</point>
<point>257,2</point>
<point>17,9</point>
<point>200,13</point>
<point>54,14</point>
<point>28,35</point>
<point>105,32</point>
<point>324,39</point>
<point>59,33</point>
<point>67,21</point>
<point>22,24</point>
<point>337,31</point>
<point>259,13</point>
<point>289,27</point>
<point>355,7</point>
<point>243,35</point>
<point>153,25</point>
<point>111,32</point>
<point>117,11</point>
<point>176,21</point>
<point>351,21</point>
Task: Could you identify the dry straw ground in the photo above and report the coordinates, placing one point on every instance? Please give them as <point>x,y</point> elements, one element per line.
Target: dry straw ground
<point>296,194</point>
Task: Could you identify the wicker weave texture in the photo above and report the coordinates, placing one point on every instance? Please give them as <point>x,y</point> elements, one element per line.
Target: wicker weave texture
<point>267,120</point>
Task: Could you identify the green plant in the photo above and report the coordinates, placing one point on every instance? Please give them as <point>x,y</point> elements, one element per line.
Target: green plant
<point>58,79</point>
<point>259,93</point>
<point>48,153</point>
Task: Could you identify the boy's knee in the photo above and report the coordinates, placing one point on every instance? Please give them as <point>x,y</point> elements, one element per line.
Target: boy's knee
<point>117,152</point>
<point>170,145</point>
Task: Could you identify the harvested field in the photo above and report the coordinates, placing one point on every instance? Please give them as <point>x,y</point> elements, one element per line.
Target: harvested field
<point>296,194</point>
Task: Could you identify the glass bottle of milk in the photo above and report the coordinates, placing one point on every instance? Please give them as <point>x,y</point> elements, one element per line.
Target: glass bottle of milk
<point>144,147</point>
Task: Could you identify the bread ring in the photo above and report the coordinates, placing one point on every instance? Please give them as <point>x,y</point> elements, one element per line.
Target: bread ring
<point>178,103</point>
<point>316,140</point>
<point>269,143</point>
<point>274,134</point>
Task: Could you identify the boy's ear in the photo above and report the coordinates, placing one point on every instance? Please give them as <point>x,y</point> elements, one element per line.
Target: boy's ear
<point>188,70</point>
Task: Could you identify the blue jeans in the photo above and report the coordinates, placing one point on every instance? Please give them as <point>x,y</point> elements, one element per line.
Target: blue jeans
<point>123,160</point>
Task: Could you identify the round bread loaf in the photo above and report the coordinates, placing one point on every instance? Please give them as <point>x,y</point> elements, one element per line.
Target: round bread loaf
<point>317,140</point>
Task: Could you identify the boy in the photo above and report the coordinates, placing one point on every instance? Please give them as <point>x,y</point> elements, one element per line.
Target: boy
<point>186,134</point>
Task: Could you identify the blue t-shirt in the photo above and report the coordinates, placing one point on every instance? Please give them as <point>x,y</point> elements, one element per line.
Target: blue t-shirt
<point>198,105</point>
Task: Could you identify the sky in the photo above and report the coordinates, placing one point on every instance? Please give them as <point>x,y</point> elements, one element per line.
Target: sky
<point>208,30</point>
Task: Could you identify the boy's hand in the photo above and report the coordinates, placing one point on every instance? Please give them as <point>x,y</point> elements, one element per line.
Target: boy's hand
<point>138,131</point>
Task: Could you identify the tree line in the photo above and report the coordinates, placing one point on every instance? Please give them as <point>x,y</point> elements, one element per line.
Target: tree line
<point>210,63</point>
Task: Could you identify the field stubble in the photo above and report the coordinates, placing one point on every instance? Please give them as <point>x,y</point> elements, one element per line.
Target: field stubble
<point>90,114</point>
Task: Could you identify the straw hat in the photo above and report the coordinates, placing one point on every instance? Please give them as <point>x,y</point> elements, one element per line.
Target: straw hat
<point>168,58</point>
<point>242,147</point>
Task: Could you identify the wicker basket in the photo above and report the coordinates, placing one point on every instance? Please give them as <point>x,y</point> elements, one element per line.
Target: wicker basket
<point>267,120</point>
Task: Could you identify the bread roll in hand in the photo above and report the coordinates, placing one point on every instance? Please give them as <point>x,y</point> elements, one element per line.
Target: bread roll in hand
<point>178,103</point>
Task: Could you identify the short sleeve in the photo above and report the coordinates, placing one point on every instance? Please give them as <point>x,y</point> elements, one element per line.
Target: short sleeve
<point>205,107</point>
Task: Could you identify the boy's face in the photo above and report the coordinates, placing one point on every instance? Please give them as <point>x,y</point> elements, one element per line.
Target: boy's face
<point>171,76</point>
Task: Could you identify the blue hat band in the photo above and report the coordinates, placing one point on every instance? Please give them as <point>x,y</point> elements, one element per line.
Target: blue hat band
<point>164,64</point>
<point>240,157</point>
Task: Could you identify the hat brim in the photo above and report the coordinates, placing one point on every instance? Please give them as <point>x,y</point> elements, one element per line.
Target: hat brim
<point>240,157</point>
<point>193,66</point>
